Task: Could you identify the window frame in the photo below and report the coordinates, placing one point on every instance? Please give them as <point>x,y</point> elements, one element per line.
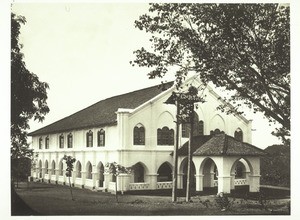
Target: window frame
<point>139,135</point>
<point>89,142</point>
<point>61,141</point>
<point>101,138</point>
<point>70,143</point>
<point>47,142</point>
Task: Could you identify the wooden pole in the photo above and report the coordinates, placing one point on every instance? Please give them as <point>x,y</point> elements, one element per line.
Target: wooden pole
<point>188,182</point>
<point>175,157</point>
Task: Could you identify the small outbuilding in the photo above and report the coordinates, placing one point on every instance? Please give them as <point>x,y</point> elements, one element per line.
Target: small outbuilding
<point>220,160</point>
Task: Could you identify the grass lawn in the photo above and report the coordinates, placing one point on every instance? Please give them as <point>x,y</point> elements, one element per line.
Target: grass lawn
<point>49,199</point>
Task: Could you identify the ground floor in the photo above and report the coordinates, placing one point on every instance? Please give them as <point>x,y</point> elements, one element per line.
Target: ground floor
<point>150,171</point>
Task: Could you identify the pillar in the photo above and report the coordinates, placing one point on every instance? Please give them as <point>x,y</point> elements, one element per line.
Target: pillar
<point>107,179</point>
<point>199,182</point>
<point>83,177</point>
<point>123,182</point>
<point>224,184</point>
<point>254,183</point>
<point>180,180</point>
<point>122,119</point>
<point>152,180</point>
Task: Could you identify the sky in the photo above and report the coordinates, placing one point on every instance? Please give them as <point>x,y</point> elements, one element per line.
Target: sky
<point>83,51</point>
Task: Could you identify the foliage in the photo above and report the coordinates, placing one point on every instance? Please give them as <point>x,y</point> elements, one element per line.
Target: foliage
<point>116,169</point>
<point>69,161</point>
<point>28,94</point>
<point>241,48</point>
<point>275,167</point>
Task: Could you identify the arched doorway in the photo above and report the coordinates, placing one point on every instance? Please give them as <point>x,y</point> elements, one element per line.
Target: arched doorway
<point>209,171</point>
<point>183,170</point>
<point>164,173</point>
<point>100,171</point>
<point>138,173</point>
<point>240,171</point>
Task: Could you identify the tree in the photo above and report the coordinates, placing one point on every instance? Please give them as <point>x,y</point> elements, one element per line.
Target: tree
<point>69,161</point>
<point>241,48</point>
<point>116,169</point>
<point>28,97</point>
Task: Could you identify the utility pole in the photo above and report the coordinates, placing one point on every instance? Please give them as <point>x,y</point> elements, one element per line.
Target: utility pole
<point>175,156</point>
<point>188,184</point>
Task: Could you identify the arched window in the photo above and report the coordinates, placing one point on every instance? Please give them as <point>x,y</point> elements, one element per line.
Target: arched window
<point>101,138</point>
<point>89,170</point>
<point>198,127</point>
<point>89,139</point>
<point>70,140</point>
<point>47,142</point>
<point>216,131</point>
<point>61,141</point>
<point>240,170</point>
<point>165,136</point>
<point>40,143</point>
<point>78,170</point>
<point>164,173</point>
<point>201,127</point>
<point>139,135</point>
<point>238,134</point>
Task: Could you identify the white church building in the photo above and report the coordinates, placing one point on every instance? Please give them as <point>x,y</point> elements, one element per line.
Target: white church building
<point>137,130</point>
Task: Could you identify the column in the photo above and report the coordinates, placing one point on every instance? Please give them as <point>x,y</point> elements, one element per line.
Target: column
<point>224,184</point>
<point>199,182</point>
<point>254,183</point>
<point>152,180</point>
<point>123,182</point>
<point>180,180</point>
<point>212,179</point>
<point>122,118</point>
<point>107,179</point>
<point>95,177</point>
<point>232,185</point>
<point>56,175</point>
<point>43,173</point>
<point>83,177</point>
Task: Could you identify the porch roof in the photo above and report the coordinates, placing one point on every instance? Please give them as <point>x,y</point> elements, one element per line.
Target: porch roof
<point>220,145</point>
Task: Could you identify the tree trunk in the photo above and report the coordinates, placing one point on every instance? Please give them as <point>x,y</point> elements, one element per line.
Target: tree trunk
<point>71,188</point>
<point>175,158</point>
<point>188,181</point>
<point>116,187</point>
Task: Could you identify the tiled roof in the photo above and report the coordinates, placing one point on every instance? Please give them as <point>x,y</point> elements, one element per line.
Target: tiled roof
<point>220,145</point>
<point>103,112</point>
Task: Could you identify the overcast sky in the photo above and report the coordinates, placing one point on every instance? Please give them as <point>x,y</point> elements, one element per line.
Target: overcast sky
<point>83,51</point>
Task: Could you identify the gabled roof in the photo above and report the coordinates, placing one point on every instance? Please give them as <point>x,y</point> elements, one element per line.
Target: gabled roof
<point>103,112</point>
<point>220,145</point>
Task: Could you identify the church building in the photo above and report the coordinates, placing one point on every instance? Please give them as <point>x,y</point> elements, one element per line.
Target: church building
<point>138,130</point>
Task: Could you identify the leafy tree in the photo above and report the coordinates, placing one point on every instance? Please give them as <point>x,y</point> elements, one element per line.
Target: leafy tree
<point>69,161</point>
<point>116,169</point>
<point>241,48</point>
<point>28,98</point>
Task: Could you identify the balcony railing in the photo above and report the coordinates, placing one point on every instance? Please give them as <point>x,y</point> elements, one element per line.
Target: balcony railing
<point>139,186</point>
<point>164,185</point>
